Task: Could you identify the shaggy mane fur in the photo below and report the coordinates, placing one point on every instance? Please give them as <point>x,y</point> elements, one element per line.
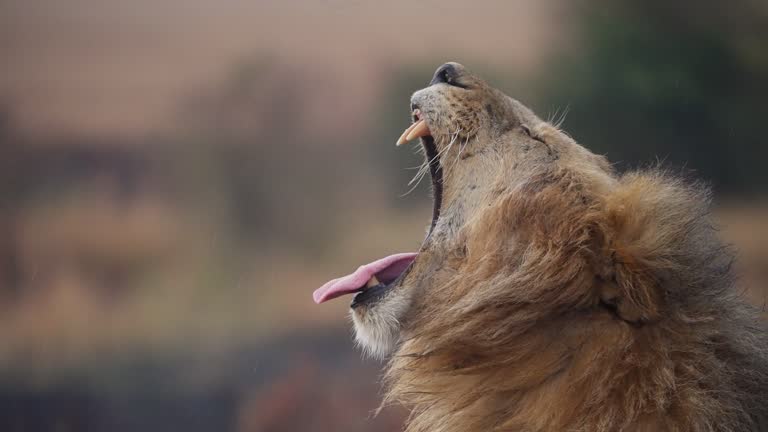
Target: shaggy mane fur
<point>555,311</point>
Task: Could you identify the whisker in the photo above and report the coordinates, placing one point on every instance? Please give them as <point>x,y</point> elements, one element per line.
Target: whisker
<point>461,149</point>
<point>420,174</point>
<point>424,169</point>
<point>561,120</point>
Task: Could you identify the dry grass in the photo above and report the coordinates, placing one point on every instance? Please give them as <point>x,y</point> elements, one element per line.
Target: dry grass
<point>746,228</point>
<point>124,281</point>
<point>195,291</point>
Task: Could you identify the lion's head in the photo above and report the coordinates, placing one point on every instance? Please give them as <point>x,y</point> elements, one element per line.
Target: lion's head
<point>477,141</point>
<point>550,293</point>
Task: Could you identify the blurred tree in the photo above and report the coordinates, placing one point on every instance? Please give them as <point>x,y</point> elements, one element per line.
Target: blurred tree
<point>257,154</point>
<point>684,82</point>
<point>9,201</point>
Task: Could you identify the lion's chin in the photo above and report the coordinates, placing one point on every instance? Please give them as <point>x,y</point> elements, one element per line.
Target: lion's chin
<point>378,325</point>
<point>377,338</point>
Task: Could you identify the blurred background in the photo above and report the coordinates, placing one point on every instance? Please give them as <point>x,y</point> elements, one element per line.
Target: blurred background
<point>177,177</point>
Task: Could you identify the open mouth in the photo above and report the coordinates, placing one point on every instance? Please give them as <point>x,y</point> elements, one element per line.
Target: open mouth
<point>420,129</point>
<point>371,281</point>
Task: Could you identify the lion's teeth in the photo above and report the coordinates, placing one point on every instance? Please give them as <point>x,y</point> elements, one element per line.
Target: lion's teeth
<point>402,139</point>
<point>419,129</point>
<point>372,282</point>
<point>416,130</point>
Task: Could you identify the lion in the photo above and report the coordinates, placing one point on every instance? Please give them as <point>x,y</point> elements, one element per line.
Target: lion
<point>552,293</point>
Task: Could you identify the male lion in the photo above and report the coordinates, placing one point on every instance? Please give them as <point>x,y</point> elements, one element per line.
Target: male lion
<point>552,294</point>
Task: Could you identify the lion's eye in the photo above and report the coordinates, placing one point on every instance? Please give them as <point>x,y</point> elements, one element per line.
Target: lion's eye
<point>529,132</point>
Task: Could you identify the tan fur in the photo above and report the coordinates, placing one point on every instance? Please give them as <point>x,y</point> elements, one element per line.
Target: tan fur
<point>555,295</point>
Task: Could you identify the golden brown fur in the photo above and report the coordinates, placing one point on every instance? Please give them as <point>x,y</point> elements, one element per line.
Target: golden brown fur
<point>556,295</point>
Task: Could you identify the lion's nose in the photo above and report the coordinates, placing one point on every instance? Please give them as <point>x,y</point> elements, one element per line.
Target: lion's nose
<point>448,73</point>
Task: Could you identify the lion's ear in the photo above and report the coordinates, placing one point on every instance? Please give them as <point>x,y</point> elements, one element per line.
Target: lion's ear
<point>624,304</point>
<point>623,282</point>
<point>645,223</point>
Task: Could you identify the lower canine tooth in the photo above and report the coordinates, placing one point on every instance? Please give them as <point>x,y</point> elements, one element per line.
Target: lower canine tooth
<point>372,282</point>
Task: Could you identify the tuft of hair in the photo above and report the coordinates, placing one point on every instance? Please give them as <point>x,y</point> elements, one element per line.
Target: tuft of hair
<point>584,307</point>
<point>378,333</point>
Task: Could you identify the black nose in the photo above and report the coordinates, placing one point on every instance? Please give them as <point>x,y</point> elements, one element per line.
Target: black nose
<point>449,73</point>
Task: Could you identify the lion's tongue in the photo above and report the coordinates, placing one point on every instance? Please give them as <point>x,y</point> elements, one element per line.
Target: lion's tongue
<point>385,269</point>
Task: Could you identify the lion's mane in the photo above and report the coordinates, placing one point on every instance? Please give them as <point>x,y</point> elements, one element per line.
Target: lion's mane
<point>577,305</point>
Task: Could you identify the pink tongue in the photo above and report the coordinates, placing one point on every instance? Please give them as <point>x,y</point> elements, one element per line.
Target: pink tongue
<point>386,270</point>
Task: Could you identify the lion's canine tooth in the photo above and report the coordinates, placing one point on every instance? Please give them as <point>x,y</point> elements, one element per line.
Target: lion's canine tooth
<point>372,282</point>
<point>402,140</point>
<point>419,129</point>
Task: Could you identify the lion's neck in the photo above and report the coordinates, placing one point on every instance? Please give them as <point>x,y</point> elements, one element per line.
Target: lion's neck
<point>563,375</point>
